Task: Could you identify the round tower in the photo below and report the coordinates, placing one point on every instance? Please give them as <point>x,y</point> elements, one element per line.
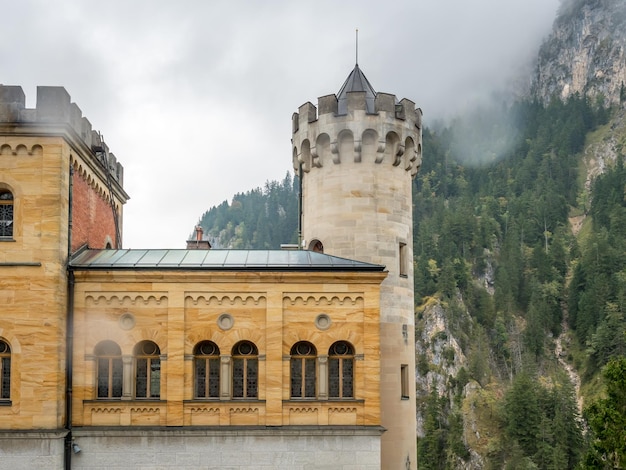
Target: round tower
<point>356,154</point>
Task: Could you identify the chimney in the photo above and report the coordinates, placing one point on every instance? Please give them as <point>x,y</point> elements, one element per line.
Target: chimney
<point>199,243</point>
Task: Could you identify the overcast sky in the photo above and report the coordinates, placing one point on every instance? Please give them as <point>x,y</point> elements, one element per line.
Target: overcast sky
<point>195,97</point>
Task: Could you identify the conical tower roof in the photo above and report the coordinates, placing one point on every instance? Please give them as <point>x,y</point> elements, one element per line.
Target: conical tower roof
<point>356,81</point>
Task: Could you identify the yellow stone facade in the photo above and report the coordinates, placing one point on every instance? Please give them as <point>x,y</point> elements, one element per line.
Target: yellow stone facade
<point>177,310</point>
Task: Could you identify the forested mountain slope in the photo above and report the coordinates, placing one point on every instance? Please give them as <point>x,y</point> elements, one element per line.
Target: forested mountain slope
<point>520,262</point>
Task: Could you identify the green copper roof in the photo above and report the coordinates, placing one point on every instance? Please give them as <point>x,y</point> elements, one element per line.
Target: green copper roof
<point>216,260</point>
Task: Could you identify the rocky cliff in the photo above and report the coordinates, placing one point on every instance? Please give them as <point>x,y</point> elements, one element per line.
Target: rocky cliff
<point>586,52</point>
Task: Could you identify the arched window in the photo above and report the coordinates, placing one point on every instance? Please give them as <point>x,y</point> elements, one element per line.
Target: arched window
<point>245,370</point>
<point>316,246</point>
<point>6,214</point>
<point>341,370</point>
<point>5,370</point>
<point>206,370</point>
<point>109,370</point>
<point>303,370</point>
<point>147,370</point>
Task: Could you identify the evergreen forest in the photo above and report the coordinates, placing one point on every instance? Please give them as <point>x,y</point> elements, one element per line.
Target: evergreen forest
<point>526,255</point>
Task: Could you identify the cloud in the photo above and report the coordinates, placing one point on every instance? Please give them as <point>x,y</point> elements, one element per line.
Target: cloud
<point>195,98</point>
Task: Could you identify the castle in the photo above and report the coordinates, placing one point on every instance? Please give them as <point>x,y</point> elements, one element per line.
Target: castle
<point>200,358</point>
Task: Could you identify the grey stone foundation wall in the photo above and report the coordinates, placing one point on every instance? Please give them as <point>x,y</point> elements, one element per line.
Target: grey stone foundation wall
<point>292,448</point>
<point>27,450</point>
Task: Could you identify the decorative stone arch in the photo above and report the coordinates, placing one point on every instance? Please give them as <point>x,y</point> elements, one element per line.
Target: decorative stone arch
<point>21,150</point>
<point>316,246</point>
<point>305,155</point>
<point>410,153</point>
<point>418,159</point>
<point>36,150</point>
<point>369,146</point>
<point>322,150</point>
<point>393,148</point>
<point>345,146</point>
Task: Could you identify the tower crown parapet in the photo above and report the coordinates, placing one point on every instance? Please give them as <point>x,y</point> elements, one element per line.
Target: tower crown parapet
<point>359,125</point>
<point>54,107</point>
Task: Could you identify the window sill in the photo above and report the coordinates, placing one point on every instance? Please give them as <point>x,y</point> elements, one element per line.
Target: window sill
<point>224,400</point>
<point>6,403</point>
<point>326,400</point>
<point>125,400</point>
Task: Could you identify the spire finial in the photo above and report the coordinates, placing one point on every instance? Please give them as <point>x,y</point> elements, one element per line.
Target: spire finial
<point>357,47</point>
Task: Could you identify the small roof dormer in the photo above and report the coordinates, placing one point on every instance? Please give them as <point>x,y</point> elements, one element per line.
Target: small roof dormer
<point>356,81</point>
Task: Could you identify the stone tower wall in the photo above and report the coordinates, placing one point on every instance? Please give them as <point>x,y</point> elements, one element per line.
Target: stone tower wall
<point>357,172</point>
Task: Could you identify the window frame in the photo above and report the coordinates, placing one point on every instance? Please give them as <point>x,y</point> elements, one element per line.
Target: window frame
<point>403,259</point>
<point>303,354</point>
<point>7,205</point>
<point>150,359</point>
<point>404,382</point>
<point>212,362</point>
<point>341,359</point>
<point>249,370</point>
<point>114,364</point>
<point>5,371</point>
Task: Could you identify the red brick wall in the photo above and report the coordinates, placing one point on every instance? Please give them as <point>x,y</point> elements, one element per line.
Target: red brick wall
<point>92,216</point>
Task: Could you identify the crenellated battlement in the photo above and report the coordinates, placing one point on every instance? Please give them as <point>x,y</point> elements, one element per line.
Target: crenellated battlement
<point>360,126</point>
<point>54,107</point>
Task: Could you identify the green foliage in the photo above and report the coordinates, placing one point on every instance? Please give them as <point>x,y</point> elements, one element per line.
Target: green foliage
<point>542,425</point>
<point>607,420</point>
<point>597,291</point>
<point>442,444</point>
<point>259,219</point>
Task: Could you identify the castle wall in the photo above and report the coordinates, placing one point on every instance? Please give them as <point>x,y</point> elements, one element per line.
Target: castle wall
<point>246,449</point>
<point>25,450</point>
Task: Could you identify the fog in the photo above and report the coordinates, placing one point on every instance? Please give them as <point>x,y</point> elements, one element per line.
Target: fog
<point>195,97</point>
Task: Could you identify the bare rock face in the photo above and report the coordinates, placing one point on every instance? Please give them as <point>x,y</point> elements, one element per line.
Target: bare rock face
<point>586,52</point>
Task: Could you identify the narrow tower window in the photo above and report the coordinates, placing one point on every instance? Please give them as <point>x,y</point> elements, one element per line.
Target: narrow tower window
<point>402,252</point>
<point>6,214</point>
<point>404,381</point>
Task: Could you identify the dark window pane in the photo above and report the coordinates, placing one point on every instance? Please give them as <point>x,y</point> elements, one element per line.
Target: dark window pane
<point>141,384</point>
<point>309,378</point>
<point>117,378</point>
<point>348,391</point>
<point>251,383</point>
<point>6,378</point>
<point>296,378</point>
<point>214,378</point>
<point>200,378</point>
<point>238,378</point>
<point>103,377</point>
<point>155,378</point>
<point>333,378</point>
